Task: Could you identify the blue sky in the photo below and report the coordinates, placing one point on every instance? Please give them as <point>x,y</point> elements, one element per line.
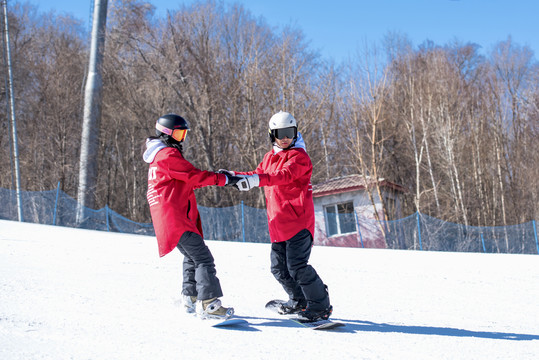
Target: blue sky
<point>338,28</point>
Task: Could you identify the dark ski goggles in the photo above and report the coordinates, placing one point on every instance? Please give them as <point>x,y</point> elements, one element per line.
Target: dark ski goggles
<point>289,132</point>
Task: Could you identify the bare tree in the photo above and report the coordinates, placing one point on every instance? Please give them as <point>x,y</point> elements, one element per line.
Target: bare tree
<point>457,129</point>
<point>368,99</point>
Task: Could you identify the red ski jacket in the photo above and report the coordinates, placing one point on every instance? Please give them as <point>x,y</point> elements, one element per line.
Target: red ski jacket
<point>286,177</point>
<point>173,206</point>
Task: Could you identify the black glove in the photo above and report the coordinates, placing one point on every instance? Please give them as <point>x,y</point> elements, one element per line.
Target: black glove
<point>226,172</point>
<point>232,180</point>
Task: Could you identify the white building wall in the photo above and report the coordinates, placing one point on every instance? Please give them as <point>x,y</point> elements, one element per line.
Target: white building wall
<point>370,234</point>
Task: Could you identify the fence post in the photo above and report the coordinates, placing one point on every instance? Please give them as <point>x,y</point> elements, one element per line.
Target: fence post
<point>483,242</point>
<point>242,222</point>
<point>535,232</point>
<point>419,232</point>
<point>107,216</point>
<point>56,204</point>
<point>358,229</point>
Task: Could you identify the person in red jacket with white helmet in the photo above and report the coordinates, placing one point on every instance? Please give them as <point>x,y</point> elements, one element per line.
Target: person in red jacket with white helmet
<point>285,173</point>
<point>175,217</point>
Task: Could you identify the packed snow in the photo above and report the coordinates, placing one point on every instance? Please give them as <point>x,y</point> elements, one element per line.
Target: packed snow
<point>80,294</point>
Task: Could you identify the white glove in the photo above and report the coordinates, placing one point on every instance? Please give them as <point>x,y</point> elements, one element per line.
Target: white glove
<point>247,182</point>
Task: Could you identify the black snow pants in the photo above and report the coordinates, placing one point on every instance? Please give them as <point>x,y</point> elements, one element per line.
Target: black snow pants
<point>199,274</point>
<point>289,265</point>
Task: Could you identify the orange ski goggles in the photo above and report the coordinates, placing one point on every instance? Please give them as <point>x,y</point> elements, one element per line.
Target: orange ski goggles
<point>177,134</point>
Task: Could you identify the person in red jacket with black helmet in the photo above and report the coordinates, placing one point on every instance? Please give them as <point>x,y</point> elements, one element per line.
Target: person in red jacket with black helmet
<point>175,216</point>
<point>285,173</point>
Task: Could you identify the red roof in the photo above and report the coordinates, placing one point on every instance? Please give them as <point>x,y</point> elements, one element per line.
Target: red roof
<point>350,183</point>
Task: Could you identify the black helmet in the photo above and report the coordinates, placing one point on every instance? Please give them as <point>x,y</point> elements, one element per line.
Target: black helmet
<point>172,125</point>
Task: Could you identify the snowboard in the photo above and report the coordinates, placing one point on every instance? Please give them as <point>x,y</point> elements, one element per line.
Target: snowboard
<point>228,322</point>
<point>273,305</point>
<point>320,325</point>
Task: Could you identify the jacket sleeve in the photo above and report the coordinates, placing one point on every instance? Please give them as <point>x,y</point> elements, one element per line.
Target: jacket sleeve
<point>183,170</point>
<point>294,168</point>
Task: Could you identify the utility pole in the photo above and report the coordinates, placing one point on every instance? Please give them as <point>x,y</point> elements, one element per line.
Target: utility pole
<point>92,113</point>
<point>13,118</point>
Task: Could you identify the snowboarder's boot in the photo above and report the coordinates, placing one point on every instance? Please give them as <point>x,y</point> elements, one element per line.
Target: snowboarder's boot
<point>309,315</point>
<point>189,303</point>
<point>292,307</point>
<point>212,309</point>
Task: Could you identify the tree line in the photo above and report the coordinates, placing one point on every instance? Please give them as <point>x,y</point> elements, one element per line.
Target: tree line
<point>456,127</point>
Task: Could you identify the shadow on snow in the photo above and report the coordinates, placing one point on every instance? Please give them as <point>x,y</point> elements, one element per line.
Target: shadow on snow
<point>353,326</point>
<point>357,325</point>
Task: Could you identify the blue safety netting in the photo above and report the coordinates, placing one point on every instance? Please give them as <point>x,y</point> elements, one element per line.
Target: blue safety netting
<point>418,231</point>
<point>423,232</point>
<point>55,207</point>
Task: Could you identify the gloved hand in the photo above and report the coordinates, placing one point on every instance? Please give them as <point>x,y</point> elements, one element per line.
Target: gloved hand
<point>247,182</point>
<point>232,180</point>
<point>225,171</point>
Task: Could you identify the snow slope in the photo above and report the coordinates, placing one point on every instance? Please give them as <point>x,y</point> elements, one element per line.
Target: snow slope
<point>80,294</point>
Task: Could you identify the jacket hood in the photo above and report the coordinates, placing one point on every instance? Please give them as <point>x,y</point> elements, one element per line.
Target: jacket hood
<point>152,148</point>
<point>299,143</point>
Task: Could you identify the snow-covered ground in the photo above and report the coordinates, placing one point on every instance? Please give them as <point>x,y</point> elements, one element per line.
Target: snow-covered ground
<point>79,294</point>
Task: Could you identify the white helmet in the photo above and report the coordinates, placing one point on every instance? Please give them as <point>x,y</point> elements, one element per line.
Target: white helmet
<point>282,120</point>
<point>283,125</point>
